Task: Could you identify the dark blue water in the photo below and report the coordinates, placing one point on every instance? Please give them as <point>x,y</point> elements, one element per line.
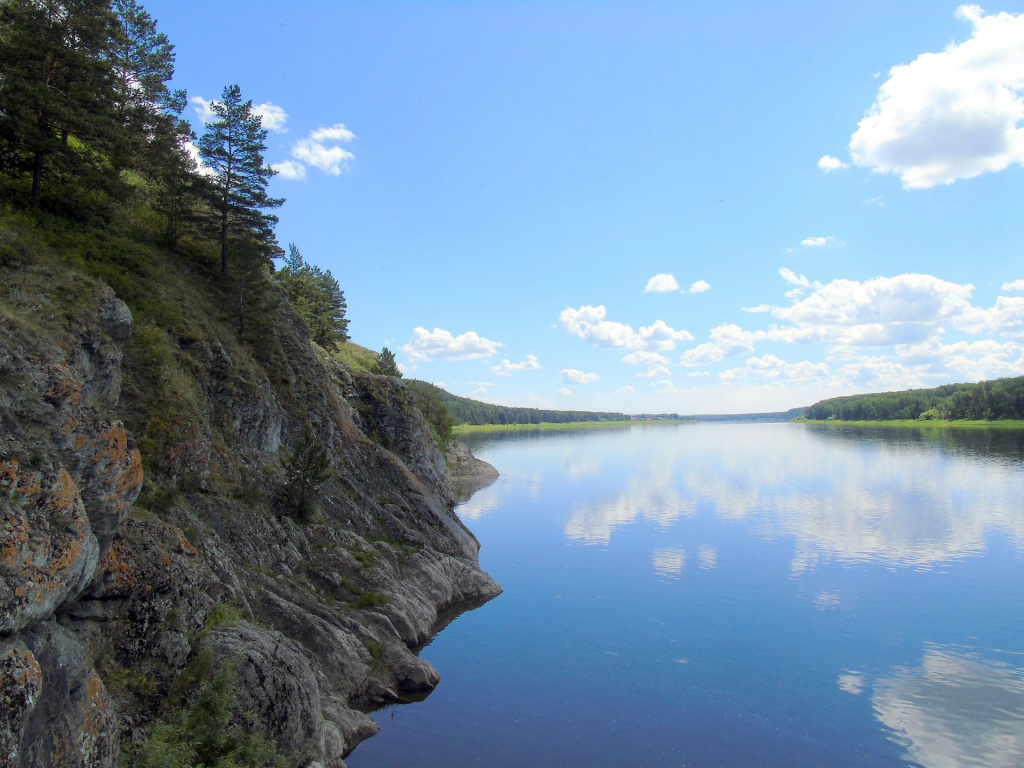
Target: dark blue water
<point>735,595</point>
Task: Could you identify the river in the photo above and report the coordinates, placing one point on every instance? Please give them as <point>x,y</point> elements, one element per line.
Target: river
<point>735,595</point>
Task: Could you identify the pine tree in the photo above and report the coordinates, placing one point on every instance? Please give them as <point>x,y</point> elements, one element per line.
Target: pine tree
<point>316,296</point>
<point>386,365</point>
<point>56,85</point>
<point>142,61</point>
<point>306,467</point>
<point>232,148</point>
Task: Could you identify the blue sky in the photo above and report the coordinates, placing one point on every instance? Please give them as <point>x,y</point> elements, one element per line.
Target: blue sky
<point>646,207</point>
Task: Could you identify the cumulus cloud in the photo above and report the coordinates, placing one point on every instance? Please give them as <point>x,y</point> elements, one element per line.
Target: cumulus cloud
<point>700,286</point>
<point>818,242</point>
<point>662,283</point>
<point>507,368</point>
<point>792,278</point>
<point>272,117</point>
<point>578,377</point>
<point>626,390</point>
<point>564,391</point>
<point>203,108</point>
<point>589,323</point>
<point>322,149</point>
<point>644,358</point>
<point>1015,285</point>
<point>654,372</point>
<point>772,369</point>
<point>876,312</point>
<point>288,169</point>
<point>950,115</point>
<point>442,345</point>
<point>828,164</point>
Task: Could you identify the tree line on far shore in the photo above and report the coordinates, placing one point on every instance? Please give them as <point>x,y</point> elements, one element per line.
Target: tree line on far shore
<point>985,400</point>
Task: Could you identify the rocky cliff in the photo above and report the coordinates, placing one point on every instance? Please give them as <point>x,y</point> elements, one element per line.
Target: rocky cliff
<point>148,564</point>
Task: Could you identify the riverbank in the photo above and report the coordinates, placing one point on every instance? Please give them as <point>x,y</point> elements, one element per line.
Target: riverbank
<point>924,423</point>
<point>462,429</point>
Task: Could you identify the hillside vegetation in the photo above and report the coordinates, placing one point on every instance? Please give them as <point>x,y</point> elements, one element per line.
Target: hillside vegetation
<point>464,410</point>
<point>221,539</point>
<point>986,400</point>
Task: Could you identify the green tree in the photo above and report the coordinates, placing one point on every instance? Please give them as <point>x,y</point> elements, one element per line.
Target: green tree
<point>232,148</point>
<point>317,297</point>
<point>306,467</point>
<point>142,60</point>
<point>56,88</point>
<point>386,365</point>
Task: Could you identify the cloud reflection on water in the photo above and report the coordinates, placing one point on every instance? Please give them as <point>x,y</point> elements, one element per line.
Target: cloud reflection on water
<point>907,503</point>
<point>960,708</point>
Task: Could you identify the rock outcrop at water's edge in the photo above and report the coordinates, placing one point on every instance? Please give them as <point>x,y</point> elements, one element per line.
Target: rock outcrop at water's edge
<point>112,603</point>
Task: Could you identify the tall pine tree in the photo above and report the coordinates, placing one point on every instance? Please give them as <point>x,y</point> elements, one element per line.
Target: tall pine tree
<point>56,85</point>
<point>142,61</point>
<point>232,149</point>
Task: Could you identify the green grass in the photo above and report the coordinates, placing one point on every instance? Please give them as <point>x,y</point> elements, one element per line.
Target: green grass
<point>546,426</point>
<point>928,423</point>
<point>355,357</point>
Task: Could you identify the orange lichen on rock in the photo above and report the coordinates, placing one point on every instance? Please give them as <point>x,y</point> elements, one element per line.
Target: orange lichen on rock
<point>118,563</point>
<point>64,386</point>
<point>8,474</point>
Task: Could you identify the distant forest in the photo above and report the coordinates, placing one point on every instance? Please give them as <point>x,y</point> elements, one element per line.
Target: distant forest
<point>463,410</point>
<point>999,399</point>
<point>756,418</point>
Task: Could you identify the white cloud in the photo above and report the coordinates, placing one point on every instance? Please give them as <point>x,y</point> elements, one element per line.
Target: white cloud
<point>193,151</point>
<point>878,200</point>
<point>203,109</point>
<point>564,391</point>
<point>666,387</point>
<point>654,372</point>
<point>320,149</point>
<point>289,169</point>
<point>771,368</point>
<point>578,377</point>
<point>645,358</point>
<point>626,390</point>
<point>440,344</point>
<point>662,283</point>
<point>1016,285</point>
<point>589,323</point>
<point>272,117</point>
<point>506,368</point>
<point>818,242</point>
<point>700,287</point>
<point>877,312</point>
<point>759,309</point>
<point>828,164</point>
<point>950,115</point>
<point>792,278</point>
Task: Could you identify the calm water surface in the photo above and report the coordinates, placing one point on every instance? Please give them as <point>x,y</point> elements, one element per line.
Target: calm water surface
<point>735,595</point>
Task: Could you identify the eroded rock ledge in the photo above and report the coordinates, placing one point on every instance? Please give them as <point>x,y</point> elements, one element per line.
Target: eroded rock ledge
<point>110,606</point>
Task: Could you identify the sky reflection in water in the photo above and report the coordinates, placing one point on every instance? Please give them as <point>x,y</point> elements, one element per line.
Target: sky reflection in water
<point>736,595</point>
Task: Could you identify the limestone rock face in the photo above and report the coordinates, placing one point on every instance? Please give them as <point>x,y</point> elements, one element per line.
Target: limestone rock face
<point>109,604</point>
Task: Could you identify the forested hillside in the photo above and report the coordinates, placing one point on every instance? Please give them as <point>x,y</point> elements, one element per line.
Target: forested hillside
<point>464,410</point>
<point>220,544</point>
<point>999,399</point>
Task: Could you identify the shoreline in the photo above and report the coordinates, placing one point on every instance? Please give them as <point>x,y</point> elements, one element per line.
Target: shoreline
<point>923,424</point>
<point>547,425</point>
